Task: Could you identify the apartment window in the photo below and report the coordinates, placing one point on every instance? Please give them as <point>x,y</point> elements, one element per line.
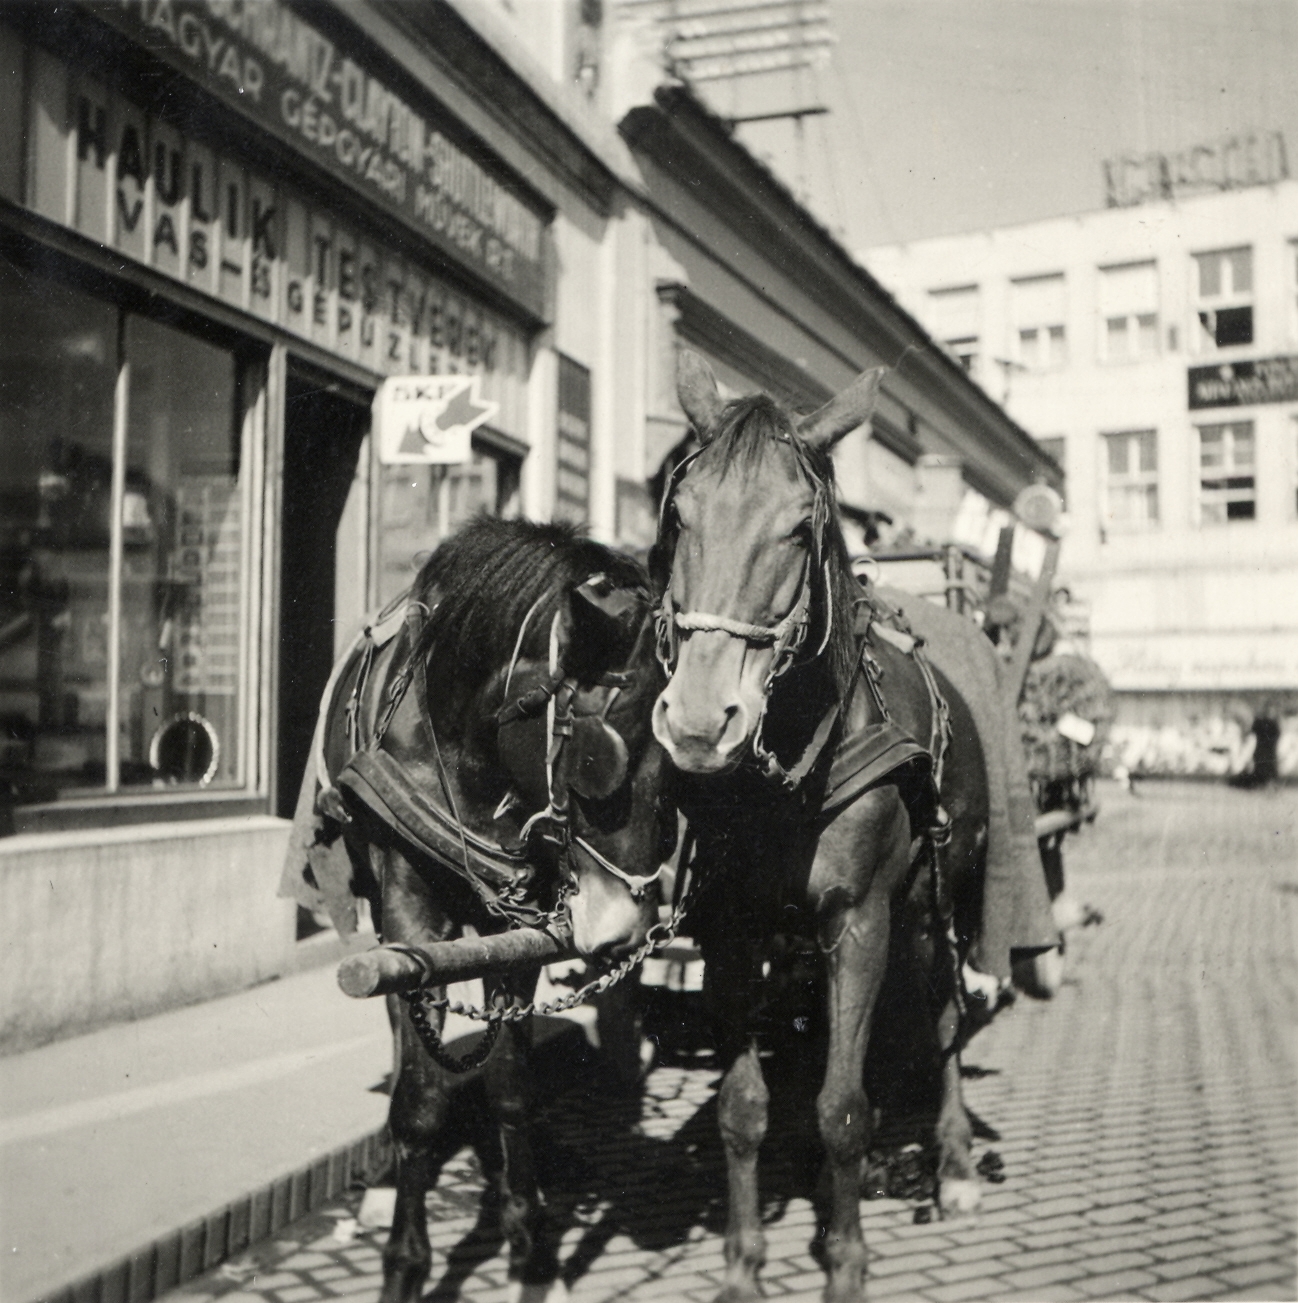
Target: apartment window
<point>124,551</point>
<point>1225,298</point>
<point>953,318</point>
<point>1131,478</point>
<point>572,485</point>
<point>1037,320</point>
<point>1227,483</point>
<point>1129,312</point>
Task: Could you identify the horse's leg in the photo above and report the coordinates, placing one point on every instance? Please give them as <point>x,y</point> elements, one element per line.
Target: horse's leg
<point>730,971</point>
<point>418,1110</point>
<point>959,1190</point>
<point>859,861</point>
<point>507,1077</point>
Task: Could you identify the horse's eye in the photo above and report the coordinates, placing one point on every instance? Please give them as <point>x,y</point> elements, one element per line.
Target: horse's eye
<point>801,535</point>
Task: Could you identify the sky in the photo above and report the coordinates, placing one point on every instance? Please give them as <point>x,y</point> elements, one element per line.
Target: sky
<point>957,115</point>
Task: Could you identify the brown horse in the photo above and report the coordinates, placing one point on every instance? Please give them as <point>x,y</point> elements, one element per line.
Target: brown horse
<point>489,771</point>
<point>811,741</point>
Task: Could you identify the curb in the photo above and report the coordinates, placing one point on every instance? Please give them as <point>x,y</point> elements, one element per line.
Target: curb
<point>179,1256</point>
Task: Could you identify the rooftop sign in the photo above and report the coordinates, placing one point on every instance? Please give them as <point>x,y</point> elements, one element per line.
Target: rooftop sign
<point>1254,158</point>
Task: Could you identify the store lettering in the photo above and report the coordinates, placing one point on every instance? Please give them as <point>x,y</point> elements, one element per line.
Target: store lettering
<point>319,127</point>
<point>274,64</point>
<point>194,38</point>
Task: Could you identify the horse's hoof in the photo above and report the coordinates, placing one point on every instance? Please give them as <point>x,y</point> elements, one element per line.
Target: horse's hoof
<point>738,1294</point>
<point>958,1197</point>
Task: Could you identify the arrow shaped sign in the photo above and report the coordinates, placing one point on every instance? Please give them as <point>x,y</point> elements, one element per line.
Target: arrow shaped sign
<point>429,420</point>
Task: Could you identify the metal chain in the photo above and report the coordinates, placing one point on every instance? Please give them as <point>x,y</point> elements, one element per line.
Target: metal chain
<point>659,934</point>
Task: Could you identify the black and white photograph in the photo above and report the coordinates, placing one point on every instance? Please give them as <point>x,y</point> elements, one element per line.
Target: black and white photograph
<point>648,651</point>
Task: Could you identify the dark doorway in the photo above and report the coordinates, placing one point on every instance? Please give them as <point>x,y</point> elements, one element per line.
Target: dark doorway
<point>322,440</point>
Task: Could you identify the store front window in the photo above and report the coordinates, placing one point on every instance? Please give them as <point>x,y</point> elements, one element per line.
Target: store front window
<point>123,583</point>
<point>419,506</point>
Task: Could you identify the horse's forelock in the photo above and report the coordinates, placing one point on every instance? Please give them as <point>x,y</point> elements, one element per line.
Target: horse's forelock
<point>480,586</point>
<point>746,431</point>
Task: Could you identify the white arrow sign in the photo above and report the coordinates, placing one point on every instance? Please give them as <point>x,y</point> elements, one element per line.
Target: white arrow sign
<point>428,419</point>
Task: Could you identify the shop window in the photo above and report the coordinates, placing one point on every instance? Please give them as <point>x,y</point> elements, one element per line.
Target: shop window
<point>1224,309</point>
<point>419,506</point>
<point>1037,320</point>
<point>123,628</point>
<point>572,472</point>
<point>1131,479</point>
<point>1227,483</point>
<point>953,318</point>
<point>1129,312</point>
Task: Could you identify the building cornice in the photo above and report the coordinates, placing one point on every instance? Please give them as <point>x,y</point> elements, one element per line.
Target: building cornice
<point>698,150</point>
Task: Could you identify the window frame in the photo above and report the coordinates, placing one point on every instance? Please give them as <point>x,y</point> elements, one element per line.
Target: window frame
<point>1138,479</point>
<point>1042,331</point>
<point>1131,319</point>
<point>1224,494</point>
<point>1224,300</point>
<point>114,803</point>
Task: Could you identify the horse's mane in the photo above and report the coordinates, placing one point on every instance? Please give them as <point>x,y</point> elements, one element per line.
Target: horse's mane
<point>479,586</point>
<point>744,433</point>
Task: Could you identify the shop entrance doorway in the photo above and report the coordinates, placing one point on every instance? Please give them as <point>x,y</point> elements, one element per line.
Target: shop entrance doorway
<point>323,435</point>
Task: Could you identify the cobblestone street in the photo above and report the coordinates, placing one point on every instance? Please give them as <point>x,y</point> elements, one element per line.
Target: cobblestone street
<point>1146,1119</point>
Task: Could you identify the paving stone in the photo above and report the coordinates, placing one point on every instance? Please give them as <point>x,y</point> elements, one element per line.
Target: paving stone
<point>904,1285</point>
<point>958,1291</point>
<point>978,1270</point>
<point>1037,1277</point>
<point>1191,1289</point>
<point>1199,1265</point>
<point>1258,1272</point>
<point>1117,1284</point>
<point>882,1267</point>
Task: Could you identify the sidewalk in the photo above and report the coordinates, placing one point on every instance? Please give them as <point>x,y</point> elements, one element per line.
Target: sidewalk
<point>137,1156</point>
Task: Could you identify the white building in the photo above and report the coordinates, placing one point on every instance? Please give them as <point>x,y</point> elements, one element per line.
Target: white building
<point>1153,350</point>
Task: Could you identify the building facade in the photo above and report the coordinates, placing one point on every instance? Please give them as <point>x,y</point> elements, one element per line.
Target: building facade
<point>1153,351</point>
<point>223,228</point>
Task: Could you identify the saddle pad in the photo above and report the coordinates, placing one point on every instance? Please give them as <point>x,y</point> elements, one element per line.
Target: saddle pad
<point>867,758</point>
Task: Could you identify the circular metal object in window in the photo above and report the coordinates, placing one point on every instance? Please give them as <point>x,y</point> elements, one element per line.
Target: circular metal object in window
<point>186,749</point>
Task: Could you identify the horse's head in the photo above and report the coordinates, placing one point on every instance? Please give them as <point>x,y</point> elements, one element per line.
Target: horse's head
<point>586,773</point>
<point>758,576</point>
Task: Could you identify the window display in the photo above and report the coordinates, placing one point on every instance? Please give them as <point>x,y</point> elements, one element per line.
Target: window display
<point>122,549</point>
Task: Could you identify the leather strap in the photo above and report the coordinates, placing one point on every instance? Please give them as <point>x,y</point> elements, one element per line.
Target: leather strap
<point>380,782</point>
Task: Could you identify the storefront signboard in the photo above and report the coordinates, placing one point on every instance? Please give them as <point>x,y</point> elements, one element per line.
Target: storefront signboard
<point>1242,384</point>
<point>325,101</point>
<point>428,420</point>
<point>100,165</point>
<point>1261,659</point>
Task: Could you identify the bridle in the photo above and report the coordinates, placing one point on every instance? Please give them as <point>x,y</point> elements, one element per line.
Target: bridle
<point>557,695</point>
<point>787,636</point>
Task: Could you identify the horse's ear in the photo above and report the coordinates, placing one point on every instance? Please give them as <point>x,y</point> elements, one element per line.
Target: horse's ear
<point>844,412</point>
<point>696,387</point>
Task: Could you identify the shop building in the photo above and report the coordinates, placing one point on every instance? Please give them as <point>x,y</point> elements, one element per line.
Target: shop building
<point>1153,350</point>
<point>222,226</point>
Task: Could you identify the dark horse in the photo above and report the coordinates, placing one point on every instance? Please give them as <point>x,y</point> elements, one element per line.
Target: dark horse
<point>793,709</point>
<point>489,772</point>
